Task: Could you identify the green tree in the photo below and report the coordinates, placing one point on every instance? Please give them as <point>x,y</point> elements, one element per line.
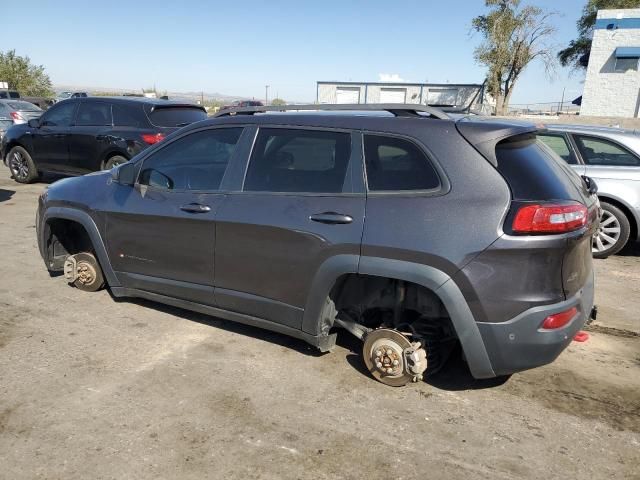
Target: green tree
<point>278,102</point>
<point>576,54</point>
<point>513,36</point>
<point>23,76</point>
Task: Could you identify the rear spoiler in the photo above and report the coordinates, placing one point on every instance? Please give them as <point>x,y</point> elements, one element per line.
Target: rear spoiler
<point>484,133</point>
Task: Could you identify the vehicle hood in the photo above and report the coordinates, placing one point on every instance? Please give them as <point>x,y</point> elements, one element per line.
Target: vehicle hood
<point>83,192</point>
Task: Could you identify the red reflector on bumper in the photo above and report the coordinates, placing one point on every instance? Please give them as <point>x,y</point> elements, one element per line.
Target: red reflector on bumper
<point>559,320</point>
<point>581,336</point>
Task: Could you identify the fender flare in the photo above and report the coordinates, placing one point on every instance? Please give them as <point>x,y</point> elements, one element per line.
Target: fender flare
<point>91,228</point>
<point>432,278</point>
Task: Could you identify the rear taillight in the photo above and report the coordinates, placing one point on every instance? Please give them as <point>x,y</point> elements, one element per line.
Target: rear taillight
<point>16,116</point>
<point>559,320</point>
<point>550,218</point>
<point>152,138</point>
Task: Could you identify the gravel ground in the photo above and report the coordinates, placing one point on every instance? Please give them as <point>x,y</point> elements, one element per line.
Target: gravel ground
<point>92,387</point>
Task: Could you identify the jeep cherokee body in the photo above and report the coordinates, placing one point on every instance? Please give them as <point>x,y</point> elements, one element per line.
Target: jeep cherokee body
<point>408,229</point>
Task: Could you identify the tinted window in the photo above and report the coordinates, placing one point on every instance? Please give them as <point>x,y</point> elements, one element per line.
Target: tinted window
<point>176,116</point>
<point>596,151</point>
<point>94,114</point>
<point>534,173</point>
<point>624,64</point>
<point>558,143</point>
<point>395,164</point>
<point>195,162</point>
<point>125,115</point>
<point>59,116</point>
<point>298,161</point>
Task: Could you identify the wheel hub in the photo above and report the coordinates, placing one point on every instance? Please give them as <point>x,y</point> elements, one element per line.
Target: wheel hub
<point>392,358</point>
<point>608,232</point>
<point>86,274</point>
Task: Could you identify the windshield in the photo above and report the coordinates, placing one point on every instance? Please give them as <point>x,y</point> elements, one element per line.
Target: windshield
<point>24,106</point>
<point>65,95</point>
<point>176,116</point>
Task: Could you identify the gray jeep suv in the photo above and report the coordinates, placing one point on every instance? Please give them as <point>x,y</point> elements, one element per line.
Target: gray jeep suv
<point>400,225</point>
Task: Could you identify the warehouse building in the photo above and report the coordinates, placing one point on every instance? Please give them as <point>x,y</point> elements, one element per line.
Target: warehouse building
<point>436,94</point>
<point>612,84</point>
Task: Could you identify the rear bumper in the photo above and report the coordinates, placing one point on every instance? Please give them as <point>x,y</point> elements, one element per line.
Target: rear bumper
<point>519,344</point>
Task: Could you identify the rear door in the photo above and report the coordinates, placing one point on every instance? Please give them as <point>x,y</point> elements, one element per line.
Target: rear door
<point>89,136</point>
<point>302,203</point>
<point>161,232</point>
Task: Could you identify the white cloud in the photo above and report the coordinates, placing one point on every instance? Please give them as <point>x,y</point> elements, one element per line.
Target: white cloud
<point>390,77</point>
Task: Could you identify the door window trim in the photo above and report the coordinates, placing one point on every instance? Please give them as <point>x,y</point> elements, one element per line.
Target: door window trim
<point>162,146</point>
<point>606,139</point>
<point>442,189</point>
<point>353,173</point>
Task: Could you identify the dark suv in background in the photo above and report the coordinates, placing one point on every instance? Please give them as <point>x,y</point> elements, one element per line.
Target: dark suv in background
<point>82,135</point>
<point>410,230</point>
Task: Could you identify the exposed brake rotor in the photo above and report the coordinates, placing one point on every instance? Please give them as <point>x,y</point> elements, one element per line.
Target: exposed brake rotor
<point>392,358</point>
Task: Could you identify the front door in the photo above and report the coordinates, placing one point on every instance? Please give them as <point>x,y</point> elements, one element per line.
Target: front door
<point>50,139</point>
<point>161,232</point>
<point>301,204</point>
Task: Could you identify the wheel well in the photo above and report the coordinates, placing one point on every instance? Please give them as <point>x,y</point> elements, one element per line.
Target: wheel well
<point>62,238</point>
<point>109,156</point>
<point>626,211</point>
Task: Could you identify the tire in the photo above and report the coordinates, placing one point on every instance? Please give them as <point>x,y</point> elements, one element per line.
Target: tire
<point>21,165</point>
<point>114,161</point>
<point>90,277</point>
<point>613,233</point>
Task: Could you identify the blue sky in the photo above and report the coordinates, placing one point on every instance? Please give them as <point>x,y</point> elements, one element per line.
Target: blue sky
<point>237,47</point>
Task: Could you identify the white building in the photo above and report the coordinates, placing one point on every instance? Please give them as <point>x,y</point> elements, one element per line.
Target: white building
<point>444,94</point>
<point>612,85</point>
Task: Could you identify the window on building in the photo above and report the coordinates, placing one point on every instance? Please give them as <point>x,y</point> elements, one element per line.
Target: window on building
<point>597,151</point>
<point>395,164</point>
<point>298,161</point>
<point>624,64</point>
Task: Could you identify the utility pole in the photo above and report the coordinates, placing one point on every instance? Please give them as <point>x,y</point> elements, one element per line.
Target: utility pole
<point>266,94</point>
<point>562,101</point>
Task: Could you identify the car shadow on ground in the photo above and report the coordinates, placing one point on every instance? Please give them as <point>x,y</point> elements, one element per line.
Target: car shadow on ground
<point>6,194</point>
<point>632,249</point>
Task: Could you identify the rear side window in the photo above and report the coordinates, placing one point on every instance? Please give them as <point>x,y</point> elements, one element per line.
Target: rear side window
<point>195,162</point>
<point>298,161</point>
<point>597,151</point>
<point>24,106</point>
<point>395,164</point>
<point>176,116</point>
<point>94,114</point>
<point>128,115</point>
<point>558,143</point>
<point>534,172</point>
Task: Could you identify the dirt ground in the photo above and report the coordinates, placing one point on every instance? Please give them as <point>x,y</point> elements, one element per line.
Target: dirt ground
<point>92,387</point>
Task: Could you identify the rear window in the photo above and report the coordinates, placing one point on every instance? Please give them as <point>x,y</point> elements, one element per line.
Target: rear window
<point>24,106</point>
<point>535,172</point>
<point>176,116</point>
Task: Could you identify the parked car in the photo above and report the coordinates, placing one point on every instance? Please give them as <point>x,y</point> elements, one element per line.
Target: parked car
<point>611,156</point>
<point>82,135</point>
<point>19,111</point>
<point>243,103</point>
<point>474,233</point>
<point>67,95</point>
<point>9,94</point>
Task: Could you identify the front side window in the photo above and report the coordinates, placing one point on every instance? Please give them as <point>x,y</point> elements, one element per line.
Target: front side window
<point>293,160</point>
<point>94,114</point>
<point>597,151</point>
<point>558,143</point>
<point>59,116</point>
<point>395,164</point>
<point>194,162</point>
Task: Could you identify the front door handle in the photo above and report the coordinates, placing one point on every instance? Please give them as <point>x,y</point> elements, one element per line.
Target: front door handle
<point>195,208</point>
<point>331,218</point>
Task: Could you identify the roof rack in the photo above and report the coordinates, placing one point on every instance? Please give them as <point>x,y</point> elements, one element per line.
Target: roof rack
<point>397,109</point>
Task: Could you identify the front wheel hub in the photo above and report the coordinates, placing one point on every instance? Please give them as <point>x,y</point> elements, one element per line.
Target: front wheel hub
<point>392,358</point>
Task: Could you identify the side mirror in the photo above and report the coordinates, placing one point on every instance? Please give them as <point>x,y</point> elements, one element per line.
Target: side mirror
<point>124,174</point>
<point>34,123</point>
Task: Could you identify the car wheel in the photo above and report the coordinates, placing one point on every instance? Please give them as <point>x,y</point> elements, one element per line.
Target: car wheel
<point>114,162</point>
<point>88,274</point>
<point>613,232</point>
<point>21,165</point>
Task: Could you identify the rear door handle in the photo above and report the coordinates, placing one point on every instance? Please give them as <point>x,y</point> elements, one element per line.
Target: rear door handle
<point>331,218</point>
<point>195,208</point>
